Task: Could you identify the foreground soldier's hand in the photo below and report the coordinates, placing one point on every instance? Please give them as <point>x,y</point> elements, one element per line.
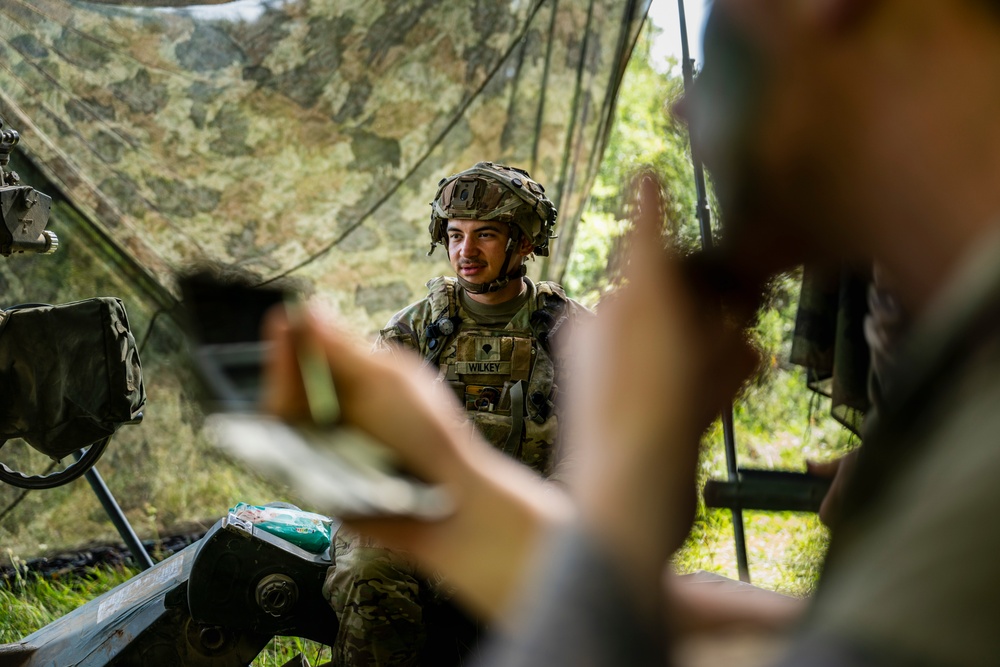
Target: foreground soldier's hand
<point>501,507</point>
<point>658,367</point>
<point>839,470</point>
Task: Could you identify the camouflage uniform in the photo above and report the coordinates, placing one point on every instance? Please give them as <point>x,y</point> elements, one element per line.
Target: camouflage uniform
<point>378,595</point>
<point>504,374</point>
<point>474,361</point>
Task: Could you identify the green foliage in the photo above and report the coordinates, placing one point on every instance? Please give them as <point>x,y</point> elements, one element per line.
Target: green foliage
<point>778,424</point>
<point>30,603</point>
<point>644,136</point>
<point>588,277</point>
<point>283,649</point>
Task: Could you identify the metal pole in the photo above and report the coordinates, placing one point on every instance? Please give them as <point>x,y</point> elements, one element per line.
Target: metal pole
<point>738,535</point>
<point>114,512</point>
<point>704,214</point>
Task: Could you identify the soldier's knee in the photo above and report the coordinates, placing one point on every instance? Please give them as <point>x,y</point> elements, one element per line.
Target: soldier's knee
<point>370,576</point>
<point>377,599</point>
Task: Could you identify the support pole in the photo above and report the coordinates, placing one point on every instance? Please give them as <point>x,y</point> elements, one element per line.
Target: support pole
<point>114,512</point>
<point>704,214</point>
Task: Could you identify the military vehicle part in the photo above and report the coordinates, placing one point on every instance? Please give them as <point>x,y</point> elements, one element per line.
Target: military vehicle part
<point>197,608</point>
<point>24,211</point>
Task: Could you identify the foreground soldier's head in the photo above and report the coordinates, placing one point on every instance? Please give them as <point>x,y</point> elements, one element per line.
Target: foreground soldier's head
<point>853,128</point>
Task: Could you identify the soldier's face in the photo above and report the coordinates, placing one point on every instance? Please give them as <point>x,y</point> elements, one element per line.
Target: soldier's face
<point>476,249</point>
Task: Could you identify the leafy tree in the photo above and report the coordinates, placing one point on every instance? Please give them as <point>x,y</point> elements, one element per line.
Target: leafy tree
<point>644,136</point>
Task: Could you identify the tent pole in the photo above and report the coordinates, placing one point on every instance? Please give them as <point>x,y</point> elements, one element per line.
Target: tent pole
<point>704,213</point>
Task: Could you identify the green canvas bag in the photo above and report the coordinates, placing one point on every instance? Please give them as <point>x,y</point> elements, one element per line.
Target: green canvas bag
<point>69,374</point>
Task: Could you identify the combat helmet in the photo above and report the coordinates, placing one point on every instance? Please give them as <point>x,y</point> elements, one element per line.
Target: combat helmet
<point>489,191</point>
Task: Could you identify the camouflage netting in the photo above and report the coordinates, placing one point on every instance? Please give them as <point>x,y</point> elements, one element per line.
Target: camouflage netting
<point>289,137</point>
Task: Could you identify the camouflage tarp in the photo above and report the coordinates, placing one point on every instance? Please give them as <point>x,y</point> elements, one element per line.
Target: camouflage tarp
<point>301,137</point>
<point>306,136</point>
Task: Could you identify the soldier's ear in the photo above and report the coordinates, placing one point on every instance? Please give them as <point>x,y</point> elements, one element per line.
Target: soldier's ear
<point>526,247</point>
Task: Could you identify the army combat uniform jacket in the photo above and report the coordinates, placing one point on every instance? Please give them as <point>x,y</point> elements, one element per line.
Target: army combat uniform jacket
<point>505,376</point>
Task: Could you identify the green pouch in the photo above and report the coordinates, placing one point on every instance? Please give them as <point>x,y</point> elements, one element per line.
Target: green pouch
<point>306,530</point>
<point>69,374</point>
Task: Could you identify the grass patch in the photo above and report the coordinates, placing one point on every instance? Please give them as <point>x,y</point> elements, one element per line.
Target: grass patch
<point>30,603</point>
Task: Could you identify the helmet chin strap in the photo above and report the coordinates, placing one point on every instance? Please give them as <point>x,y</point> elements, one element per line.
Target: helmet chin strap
<point>495,285</point>
<point>504,278</point>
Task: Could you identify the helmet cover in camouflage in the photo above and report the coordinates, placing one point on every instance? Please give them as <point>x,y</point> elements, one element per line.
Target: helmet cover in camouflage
<point>490,191</point>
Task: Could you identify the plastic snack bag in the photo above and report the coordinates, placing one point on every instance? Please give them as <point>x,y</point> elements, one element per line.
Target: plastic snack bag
<point>305,530</point>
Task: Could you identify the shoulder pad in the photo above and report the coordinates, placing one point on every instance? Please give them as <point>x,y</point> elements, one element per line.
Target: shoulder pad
<point>438,283</point>
<point>441,295</point>
<point>549,287</point>
<point>550,298</point>
<point>549,313</point>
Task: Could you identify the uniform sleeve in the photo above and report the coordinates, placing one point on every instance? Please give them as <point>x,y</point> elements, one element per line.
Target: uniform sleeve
<point>391,339</point>
<point>577,314</point>
<point>574,612</point>
<point>399,333</point>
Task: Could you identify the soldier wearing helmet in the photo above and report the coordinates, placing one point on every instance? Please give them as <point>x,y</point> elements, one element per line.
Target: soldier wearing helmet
<point>490,330</point>
<point>492,195</point>
<point>494,335</point>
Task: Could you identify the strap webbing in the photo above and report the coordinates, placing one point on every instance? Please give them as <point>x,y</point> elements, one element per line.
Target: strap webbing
<point>517,407</point>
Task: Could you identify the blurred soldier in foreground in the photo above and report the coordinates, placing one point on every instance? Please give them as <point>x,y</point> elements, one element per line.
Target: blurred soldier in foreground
<point>837,130</point>
<point>493,336</point>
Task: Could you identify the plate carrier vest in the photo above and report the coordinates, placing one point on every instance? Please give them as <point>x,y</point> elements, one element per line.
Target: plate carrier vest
<point>505,377</point>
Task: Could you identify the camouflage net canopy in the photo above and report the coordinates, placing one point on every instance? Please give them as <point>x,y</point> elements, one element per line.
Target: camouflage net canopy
<point>289,137</point>
<point>307,136</point>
